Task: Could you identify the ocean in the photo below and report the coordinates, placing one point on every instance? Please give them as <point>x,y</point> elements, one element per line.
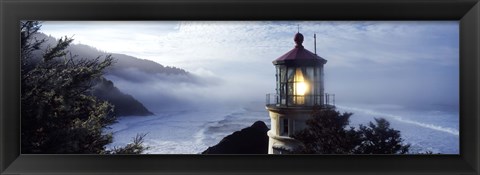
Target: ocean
<point>433,128</point>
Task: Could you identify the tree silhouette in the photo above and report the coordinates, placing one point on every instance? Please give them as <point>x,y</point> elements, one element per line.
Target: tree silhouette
<point>327,133</point>
<point>59,114</point>
<point>379,138</point>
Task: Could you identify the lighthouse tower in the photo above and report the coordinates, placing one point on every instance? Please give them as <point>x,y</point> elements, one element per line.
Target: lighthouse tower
<point>299,90</point>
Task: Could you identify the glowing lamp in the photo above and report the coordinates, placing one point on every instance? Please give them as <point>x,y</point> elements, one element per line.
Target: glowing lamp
<point>300,84</point>
<point>299,75</point>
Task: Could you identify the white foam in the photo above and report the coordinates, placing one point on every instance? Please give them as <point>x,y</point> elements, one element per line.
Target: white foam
<point>178,132</point>
<point>448,130</point>
<point>191,132</point>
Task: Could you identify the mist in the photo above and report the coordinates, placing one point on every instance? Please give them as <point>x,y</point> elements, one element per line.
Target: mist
<point>207,79</point>
<point>414,85</point>
<point>411,63</point>
<point>177,92</point>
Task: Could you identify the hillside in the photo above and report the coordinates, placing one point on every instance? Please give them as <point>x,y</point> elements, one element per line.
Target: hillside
<point>125,105</point>
<point>122,64</point>
<point>131,69</point>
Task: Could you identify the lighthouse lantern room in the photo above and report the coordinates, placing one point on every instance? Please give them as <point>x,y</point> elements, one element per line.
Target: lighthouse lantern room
<point>299,90</point>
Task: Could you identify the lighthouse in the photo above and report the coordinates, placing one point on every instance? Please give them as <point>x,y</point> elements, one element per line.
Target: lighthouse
<point>299,90</point>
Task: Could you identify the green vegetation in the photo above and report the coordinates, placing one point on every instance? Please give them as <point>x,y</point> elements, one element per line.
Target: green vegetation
<point>327,133</point>
<point>59,114</point>
<point>136,147</point>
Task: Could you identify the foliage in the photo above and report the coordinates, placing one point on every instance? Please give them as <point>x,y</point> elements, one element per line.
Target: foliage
<point>59,114</point>
<point>136,147</point>
<point>327,133</point>
<point>379,138</point>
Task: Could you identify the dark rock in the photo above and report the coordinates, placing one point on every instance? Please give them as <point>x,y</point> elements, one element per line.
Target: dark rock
<point>250,140</point>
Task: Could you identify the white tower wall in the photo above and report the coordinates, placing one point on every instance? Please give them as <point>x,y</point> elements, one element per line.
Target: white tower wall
<point>296,122</point>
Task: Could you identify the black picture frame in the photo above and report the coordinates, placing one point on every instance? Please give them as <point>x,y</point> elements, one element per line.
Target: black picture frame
<point>466,11</point>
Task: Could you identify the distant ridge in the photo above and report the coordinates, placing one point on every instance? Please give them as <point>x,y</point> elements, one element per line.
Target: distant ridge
<point>122,62</point>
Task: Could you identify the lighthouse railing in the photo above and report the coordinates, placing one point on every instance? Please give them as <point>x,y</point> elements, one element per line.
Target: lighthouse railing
<point>300,100</point>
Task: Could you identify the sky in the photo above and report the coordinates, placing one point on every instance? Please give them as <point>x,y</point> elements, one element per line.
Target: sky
<point>408,62</point>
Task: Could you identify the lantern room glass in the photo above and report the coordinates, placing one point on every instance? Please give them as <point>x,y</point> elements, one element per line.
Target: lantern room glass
<point>299,86</point>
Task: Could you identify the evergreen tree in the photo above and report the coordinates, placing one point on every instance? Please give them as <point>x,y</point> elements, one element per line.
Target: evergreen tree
<point>136,147</point>
<point>379,138</point>
<point>327,133</point>
<point>59,114</point>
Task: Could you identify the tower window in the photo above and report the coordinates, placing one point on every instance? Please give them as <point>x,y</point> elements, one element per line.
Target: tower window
<point>284,127</point>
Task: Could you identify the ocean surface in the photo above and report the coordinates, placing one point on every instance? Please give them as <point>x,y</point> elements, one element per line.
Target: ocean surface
<point>432,128</point>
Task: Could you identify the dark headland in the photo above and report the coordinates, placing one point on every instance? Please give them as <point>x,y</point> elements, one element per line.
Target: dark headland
<point>250,140</point>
